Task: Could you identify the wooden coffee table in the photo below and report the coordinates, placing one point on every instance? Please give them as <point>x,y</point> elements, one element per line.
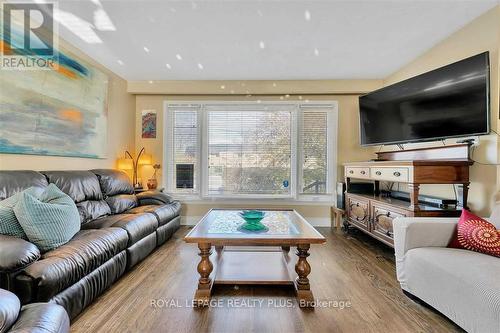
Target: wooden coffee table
<point>219,228</point>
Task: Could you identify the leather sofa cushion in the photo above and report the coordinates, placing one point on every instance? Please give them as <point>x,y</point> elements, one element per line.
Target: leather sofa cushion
<point>79,185</point>
<point>137,226</point>
<point>163,213</point>
<point>114,182</point>
<point>84,188</point>
<point>9,309</point>
<point>90,210</point>
<point>12,182</point>
<point>121,202</point>
<point>64,266</point>
<point>42,317</point>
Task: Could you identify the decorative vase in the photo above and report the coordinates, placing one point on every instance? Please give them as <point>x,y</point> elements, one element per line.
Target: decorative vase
<point>253,220</point>
<point>152,184</point>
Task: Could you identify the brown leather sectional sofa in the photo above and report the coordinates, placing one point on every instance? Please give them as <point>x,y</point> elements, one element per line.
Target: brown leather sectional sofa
<point>118,230</point>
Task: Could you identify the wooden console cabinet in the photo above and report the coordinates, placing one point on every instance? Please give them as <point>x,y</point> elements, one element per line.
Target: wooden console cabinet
<point>374,214</point>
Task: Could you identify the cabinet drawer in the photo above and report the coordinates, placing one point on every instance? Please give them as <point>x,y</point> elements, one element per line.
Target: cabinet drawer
<point>357,172</point>
<point>358,212</point>
<point>382,218</point>
<point>390,174</point>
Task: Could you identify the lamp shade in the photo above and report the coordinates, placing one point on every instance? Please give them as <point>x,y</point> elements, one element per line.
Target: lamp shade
<point>125,164</point>
<point>145,159</point>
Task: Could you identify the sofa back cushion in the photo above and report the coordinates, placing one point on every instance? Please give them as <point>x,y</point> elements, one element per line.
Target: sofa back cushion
<point>117,189</point>
<point>12,182</point>
<point>83,187</point>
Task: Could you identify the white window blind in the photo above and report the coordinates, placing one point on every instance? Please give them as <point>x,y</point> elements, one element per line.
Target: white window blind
<point>185,150</point>
<point>249,152</point>
<point>314,142</point>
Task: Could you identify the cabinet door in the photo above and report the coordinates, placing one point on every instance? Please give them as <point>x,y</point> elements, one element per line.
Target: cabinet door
<point>358,212</point>
<point>382,218</point>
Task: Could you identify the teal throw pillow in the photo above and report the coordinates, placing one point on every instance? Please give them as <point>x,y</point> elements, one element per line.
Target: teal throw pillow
<point>9,225</point>
<point>50,220</point>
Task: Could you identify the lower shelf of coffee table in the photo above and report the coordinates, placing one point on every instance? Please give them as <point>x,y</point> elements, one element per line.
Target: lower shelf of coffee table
<point>244,267</point>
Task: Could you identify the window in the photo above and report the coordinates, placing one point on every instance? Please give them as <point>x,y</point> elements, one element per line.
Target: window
<point>183,150</point>
<point>314,134</point>
<point>250,150</point>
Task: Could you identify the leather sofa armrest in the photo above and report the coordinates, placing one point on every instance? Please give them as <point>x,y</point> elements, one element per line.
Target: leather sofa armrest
<point>42,317</point>
<point>9,310</point>
<point>153,198</point>
<point>16,254</point>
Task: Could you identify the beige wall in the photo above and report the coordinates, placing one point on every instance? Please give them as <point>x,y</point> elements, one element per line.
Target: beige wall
<point>480,35</point>
<point>348,132</point>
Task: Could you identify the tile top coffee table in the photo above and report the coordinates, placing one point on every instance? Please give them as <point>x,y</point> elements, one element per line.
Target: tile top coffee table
<point>220,228</point>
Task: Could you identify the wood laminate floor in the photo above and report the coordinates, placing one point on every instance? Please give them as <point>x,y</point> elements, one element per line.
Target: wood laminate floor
<point>353,275</point>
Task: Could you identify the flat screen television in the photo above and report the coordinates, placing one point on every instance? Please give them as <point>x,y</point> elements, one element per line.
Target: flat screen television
<point>451,101</point>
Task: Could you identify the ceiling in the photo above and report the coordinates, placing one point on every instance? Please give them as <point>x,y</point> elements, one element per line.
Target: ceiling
<point>260,40</point>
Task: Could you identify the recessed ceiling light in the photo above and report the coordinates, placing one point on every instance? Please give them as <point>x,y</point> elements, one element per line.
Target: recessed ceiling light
<point>150,82</point>
<point>146,49</point>
<point>274,84</point>
<point>262,45</point>
<point>168,66</point>
<point>178,56</point>
<point>316,52</point>
<point>307,15</point>
<point>200,66</point>
<point>223,87</point>
<point>287,96</point>
<point>120,62</point>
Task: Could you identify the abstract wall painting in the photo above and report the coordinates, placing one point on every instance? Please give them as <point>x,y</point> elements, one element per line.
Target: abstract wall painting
<point>148,124</point>
<point>58,112</point>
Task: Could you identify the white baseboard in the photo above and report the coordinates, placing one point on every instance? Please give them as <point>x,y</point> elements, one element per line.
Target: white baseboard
<point>315,221</point>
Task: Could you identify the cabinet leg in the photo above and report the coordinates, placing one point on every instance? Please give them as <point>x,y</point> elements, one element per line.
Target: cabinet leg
<point>465,193</point>
<point>414,189</point>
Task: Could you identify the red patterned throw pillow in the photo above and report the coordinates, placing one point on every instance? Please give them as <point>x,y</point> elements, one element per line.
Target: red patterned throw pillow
<point>475,234</point>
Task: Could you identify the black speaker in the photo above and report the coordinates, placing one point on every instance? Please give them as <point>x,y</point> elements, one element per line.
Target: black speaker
<point>341,195</point>
<point>359,188</point>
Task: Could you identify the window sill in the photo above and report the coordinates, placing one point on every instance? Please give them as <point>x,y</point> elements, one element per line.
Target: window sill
<point>325,200</point>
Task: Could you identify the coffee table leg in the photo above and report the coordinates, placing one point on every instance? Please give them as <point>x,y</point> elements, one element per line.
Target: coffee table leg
<point>302,267</point>
<point>205,267</point>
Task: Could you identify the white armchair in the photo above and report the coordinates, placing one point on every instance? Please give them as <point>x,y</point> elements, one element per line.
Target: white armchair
<point>463,285</point>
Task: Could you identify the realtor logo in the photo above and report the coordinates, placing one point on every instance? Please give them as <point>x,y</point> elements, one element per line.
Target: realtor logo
<point>28,39</point>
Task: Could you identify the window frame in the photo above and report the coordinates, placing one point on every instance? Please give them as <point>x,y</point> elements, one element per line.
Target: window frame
<point>200,194</point>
